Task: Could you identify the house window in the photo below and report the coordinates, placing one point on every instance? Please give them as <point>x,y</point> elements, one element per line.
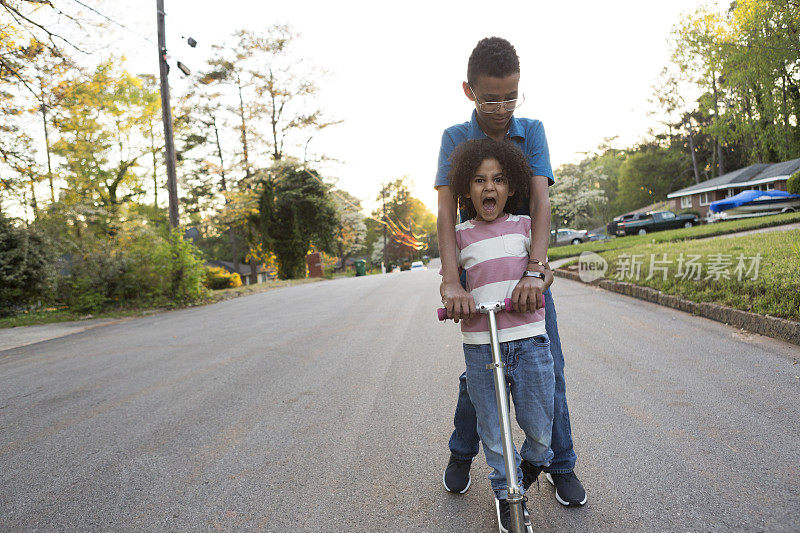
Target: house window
<point>769,186</point>
<point>728,193</point>
<point>686,202</point>
<point>704,199</point>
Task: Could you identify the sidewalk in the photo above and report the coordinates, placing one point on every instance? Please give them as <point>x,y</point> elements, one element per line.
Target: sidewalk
<point>24,335</point>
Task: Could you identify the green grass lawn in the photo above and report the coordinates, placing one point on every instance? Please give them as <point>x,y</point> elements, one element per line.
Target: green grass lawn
<point>696,232</point>
<point>774,291</point>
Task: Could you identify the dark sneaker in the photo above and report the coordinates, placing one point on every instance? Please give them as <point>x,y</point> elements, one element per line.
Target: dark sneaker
<point>504,514</point>
<point>569,490</point>
<point>456,476</point>
<point>530,473</point>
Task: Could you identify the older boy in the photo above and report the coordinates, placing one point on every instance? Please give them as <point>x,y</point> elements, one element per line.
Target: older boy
<point>493,85</point>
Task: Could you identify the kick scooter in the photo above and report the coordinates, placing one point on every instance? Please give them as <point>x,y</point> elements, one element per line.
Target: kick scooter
<point>515,497</point>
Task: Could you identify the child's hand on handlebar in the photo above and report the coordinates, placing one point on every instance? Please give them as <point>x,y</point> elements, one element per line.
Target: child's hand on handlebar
<point>527,295</point>
<point>458,302</point>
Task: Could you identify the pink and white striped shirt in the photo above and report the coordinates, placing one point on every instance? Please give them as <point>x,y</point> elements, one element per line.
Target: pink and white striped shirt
<point>495,255</point>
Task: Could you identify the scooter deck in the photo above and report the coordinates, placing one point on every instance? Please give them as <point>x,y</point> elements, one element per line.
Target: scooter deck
<point>528,525</point>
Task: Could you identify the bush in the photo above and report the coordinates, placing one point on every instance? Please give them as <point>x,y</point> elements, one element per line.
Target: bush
<point>27,267</point>
<point>793,184</point>
<point>97,279</point>
<point>141,266</point>
<point>168,269</point>
<point>218,278</point>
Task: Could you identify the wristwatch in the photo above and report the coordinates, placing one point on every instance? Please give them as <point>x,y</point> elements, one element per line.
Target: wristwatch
<point>532,274</point>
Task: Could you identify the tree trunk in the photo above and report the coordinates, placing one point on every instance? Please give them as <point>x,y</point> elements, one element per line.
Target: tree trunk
<point>245,152</point>
<point>224,186</point>
<point>234,249</point>
<point>253,271</point>
<point>47,151</point>
<point>785,112</point>
<point>717,142</point>
<point>694,158</point>
<point>34,205</point>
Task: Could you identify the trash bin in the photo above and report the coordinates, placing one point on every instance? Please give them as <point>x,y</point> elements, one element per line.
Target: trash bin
<point>361,267</point>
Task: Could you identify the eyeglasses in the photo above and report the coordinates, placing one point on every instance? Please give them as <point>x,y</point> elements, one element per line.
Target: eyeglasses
<point>494,107</point>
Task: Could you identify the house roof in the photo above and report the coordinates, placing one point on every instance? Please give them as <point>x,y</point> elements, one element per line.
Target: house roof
<point>787,168</point>
<point>754,174</point>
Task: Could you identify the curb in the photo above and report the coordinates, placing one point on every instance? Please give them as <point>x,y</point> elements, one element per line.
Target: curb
<point>770,326</point>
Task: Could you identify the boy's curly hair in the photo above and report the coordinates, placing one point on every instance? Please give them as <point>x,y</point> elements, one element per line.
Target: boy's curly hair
<point>468,156</point>
<point>492,56</point>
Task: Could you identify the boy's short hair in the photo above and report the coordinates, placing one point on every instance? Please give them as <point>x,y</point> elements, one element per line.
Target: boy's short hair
<point>468,156</point>
<point>492,56</point>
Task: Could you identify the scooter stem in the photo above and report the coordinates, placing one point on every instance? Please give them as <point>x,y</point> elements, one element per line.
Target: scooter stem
<point>500,389</point>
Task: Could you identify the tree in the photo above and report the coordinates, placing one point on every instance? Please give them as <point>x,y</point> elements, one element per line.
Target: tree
<point>351,230</point>
<point>47,68</point>
<point>102,125</point>
<point>646,176</point>
<point>408,226</point>
<point>280,90</point>
<point>793,183</point>
<point>296,213</point>
<point>232,66</point>
<point>286,90</point>
<point>744,64</point>
<point>574,194</point>
<point>699,53</point>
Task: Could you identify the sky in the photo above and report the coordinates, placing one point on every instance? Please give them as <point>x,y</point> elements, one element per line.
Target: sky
<point>395,70</point>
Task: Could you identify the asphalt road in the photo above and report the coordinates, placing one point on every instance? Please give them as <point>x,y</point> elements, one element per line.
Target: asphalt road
<point>327,407</point>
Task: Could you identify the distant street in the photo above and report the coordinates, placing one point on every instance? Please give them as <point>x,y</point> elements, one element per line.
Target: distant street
<point>327,407</point>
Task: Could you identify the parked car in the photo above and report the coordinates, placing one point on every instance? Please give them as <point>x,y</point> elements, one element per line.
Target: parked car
<point>570,236</point>
<point>656,221</point>
<point>599,237</point>
<point>418,265</point>
<point>611,227</point>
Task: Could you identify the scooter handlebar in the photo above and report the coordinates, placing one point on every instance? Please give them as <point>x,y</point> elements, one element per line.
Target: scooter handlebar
<point>441,313</point>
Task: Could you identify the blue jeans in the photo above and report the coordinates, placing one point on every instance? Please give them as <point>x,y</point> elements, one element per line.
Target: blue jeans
<point>465,440</point>
<point>531,383</point>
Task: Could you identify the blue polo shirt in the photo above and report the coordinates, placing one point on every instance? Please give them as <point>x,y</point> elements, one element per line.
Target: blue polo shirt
<point>526,133</point>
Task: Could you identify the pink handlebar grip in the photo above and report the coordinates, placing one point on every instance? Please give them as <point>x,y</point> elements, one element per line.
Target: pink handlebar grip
<point>441,313</point>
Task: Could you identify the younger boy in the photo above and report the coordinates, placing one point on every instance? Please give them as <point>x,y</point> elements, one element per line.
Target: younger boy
<point>493,248</point>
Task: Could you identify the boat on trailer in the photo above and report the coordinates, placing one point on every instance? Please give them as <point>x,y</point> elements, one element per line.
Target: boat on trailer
<point>753,203</point>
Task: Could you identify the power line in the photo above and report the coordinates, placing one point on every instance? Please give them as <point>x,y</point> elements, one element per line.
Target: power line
<point>90,8</point>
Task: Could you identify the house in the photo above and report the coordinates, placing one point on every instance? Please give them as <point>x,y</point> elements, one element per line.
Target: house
<point>761,177</point>
<point>262,274</point>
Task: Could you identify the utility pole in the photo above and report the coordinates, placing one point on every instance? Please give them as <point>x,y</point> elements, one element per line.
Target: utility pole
<point>383,197</point>
<point>166,115</point>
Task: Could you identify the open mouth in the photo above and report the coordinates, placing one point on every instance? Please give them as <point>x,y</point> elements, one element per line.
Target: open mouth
<point>489,205</point>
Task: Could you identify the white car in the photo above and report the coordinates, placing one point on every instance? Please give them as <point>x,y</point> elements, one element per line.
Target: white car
<point>570,236</point>
<point>418,265</point>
